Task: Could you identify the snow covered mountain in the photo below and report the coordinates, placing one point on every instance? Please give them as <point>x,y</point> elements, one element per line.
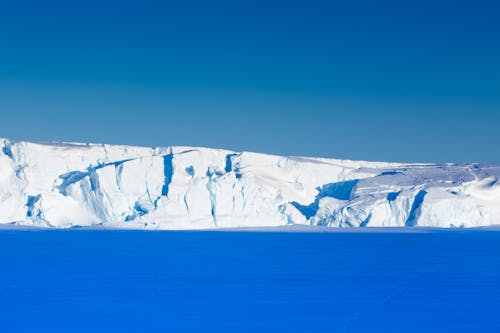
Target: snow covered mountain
<point>67,184</point>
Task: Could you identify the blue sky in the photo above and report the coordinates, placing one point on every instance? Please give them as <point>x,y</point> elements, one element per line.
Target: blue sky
<point>375,80</point>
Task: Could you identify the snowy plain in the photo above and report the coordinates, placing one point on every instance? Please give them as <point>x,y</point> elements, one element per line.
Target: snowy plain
<point>65,185</point>
<point>79,280</point>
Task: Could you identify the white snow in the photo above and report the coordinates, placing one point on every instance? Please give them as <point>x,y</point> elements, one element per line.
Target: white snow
<point>67,184</point>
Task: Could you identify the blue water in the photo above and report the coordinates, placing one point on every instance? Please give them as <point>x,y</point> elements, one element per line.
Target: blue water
<point>132,281</point>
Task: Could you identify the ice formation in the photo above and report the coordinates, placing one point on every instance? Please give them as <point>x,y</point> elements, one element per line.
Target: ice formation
<point>67,184</point>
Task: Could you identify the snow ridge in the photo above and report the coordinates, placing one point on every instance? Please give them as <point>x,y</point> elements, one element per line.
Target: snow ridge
<point>69,184</point>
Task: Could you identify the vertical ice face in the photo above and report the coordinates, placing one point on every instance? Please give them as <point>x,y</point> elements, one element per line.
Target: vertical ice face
<point>67,184</point>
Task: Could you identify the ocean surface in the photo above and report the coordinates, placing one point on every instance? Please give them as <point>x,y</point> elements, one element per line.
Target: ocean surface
<point>138,281</point>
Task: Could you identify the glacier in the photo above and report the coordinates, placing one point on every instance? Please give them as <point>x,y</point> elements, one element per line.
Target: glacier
<point>64,185</point>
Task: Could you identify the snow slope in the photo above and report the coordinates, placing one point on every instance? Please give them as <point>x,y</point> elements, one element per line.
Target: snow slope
<point>67,184</point>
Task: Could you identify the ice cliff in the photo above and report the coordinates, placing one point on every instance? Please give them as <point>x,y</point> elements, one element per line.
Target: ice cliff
<point>66,184</point>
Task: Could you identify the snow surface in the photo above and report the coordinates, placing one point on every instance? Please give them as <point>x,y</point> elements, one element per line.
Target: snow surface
<point>69,184</point>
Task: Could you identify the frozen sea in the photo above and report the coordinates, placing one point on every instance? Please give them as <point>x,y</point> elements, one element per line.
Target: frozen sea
<point>249,281</point>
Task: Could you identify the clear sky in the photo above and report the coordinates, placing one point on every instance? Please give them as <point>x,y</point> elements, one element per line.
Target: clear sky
<point>375,80</point>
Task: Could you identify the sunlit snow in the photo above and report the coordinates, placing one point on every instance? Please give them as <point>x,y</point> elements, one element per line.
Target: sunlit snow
<point>66,184</point>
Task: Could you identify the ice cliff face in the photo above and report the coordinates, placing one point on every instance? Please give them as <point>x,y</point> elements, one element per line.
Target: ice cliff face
<point>64,185</point>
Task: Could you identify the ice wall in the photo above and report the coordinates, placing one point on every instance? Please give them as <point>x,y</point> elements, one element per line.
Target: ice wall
<point>67,184</point>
